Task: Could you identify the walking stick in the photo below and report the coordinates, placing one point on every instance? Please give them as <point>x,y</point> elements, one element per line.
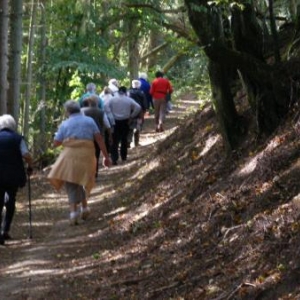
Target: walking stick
<point>29,205</point>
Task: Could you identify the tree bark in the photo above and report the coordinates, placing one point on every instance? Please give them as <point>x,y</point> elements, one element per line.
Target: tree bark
<point>4,11</point>
<point>133,49</point>
<point>14,73</point>
<point>211,34</point>
<point>265,84</point>
<point>29,68</point>
<point>42,143</point>
<point>228,118</point>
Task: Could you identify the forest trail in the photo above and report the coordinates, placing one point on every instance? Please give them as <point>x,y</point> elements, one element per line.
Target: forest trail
<point>178,220</point>
<point>59,261</point>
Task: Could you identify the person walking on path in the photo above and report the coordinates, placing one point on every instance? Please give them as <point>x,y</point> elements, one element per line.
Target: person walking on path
<point>91,90</point>
<point>145,87</point>
<point>113,87</point>
<point>13,153</point>
<point>75,166</point>
<point>136,124</point>
<point>106,96</point>
<point>91,109</point>
<point>124,109</point>
<point>159,90</point>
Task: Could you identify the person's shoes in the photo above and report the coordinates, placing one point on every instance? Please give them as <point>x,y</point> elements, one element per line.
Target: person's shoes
<point>85,212</point>
<point>2,241</point>
<point>114,163</point>
<point>160,128</point>
<point>73,219</point>
<point>6,236</point>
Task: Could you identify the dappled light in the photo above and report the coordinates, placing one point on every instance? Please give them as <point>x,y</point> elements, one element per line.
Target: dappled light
<point>175,207</point>
<point>209,143</point>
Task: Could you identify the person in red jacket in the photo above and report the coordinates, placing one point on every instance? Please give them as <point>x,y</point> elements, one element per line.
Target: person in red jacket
<point>160,88</point>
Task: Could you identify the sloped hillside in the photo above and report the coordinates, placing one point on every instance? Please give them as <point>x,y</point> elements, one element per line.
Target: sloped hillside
<point>179,220</point>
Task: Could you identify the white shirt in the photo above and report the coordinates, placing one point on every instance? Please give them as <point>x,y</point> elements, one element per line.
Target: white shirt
<point>123,107</point>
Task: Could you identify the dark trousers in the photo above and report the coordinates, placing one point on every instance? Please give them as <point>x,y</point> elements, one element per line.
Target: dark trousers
<point>106,139</point>
<point>97,154</point>
<point>10,206</point>
<point>120,134</point>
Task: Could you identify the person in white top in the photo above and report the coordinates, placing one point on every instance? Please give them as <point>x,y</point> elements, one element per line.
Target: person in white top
<point>123,109</point>
<point>113,85</point>
<point>106,96</point>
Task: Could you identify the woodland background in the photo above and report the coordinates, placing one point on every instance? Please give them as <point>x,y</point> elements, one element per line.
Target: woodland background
<point>209,209</point>
<point>51,49</point>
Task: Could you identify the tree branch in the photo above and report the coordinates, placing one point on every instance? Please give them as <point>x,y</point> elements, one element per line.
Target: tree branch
<point>173,11</point>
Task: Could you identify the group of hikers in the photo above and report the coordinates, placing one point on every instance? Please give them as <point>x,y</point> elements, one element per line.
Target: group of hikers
<point>96,123</point>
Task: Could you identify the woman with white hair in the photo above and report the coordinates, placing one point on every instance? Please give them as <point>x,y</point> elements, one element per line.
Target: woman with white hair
<point>113,85</point>
<point>76,165</point>
<point>136,124</point>
<point>13,153</point>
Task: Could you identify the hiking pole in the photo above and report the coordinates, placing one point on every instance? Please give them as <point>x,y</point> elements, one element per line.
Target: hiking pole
<point>29,204</point>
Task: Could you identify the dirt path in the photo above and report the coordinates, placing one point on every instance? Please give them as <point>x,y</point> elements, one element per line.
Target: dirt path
<point>60,261</point>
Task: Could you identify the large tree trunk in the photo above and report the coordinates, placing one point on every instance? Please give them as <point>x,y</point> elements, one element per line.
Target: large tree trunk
<point>154,41</point>
<point>133,49</point>
<point>228,118</point>
<point>3,55</point>
<point>209,28</point>
<point>14,73</point>
<point>265,84</point>
<point>249,39</point>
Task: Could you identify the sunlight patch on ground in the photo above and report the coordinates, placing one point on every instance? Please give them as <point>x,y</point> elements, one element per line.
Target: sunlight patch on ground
<point>116,211</point>
<point>147,168</point>
<point>48,202</point>
<point>133,247</point>
<point>51,195</point>
<point>136,215</point>
<point>21,267</point>
<point>148,139</point>
<point>252,164</point>
<point>249,167</point>
<point>37,224</point>
<point>210,142</point>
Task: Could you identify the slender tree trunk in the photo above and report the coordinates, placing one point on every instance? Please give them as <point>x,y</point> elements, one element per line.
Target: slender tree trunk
<point>133,52</point>
<point>29,68</point>
<point>3,55</point>
<point>152,54</point>
<point>154,41</point>
<point>42,79</point>
<point>14,73</point>
<point>171,62</point>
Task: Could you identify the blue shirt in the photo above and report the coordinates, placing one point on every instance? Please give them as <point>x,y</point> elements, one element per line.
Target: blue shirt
<point>77,126</point>
<point>88,94</point>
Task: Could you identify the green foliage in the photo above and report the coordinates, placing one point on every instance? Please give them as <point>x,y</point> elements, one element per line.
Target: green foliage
<point>88,42</point>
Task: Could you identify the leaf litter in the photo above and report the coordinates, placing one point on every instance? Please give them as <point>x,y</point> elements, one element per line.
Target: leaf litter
<point>179,220</point>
